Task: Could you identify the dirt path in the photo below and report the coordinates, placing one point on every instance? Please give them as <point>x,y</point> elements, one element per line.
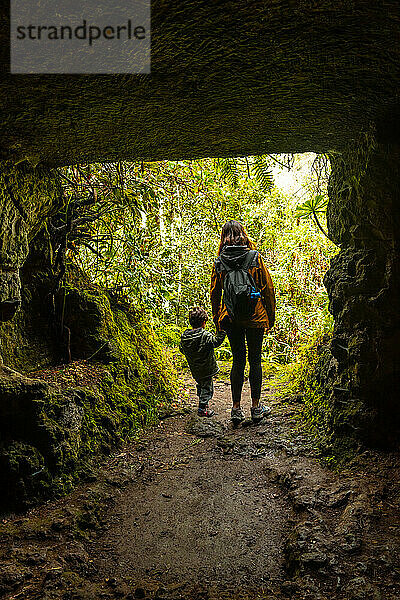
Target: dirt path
<point>198,510</point>
<point>198,515</point>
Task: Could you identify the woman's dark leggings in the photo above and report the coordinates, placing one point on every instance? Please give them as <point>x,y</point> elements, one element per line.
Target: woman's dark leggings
<point>237,338</point>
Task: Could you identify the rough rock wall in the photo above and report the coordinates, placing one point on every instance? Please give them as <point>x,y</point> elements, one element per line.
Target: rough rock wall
<point>27,196</point>
<point>227,79</point>
<point>55,422</point>
<point>30,340</point>
<point>363,284</point>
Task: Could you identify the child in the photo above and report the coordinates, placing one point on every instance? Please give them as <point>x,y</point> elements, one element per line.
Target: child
<point>198,345</point>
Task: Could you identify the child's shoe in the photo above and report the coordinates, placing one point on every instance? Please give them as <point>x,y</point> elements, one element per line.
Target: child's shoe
<point>259,412</point>
<point>205,412</point>
<point>237,416</point>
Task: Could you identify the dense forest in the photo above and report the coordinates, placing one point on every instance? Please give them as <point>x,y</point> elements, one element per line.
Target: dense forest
<point>150,232</point>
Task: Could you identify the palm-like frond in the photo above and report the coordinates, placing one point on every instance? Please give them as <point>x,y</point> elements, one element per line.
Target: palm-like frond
<point>228,168</point>
<point>314,205</point>
<point>262,172</point>
<point>312,208</point>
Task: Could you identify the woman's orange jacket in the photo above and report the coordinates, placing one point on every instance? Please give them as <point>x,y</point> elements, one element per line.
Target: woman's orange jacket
<point>264,315</point>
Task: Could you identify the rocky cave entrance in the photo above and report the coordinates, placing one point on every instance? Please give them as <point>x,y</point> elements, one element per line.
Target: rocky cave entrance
<point>235,84</point>
<point>243,83</point>
<point>242,80</point>
<point>309,533</point>
<point>358,372</point>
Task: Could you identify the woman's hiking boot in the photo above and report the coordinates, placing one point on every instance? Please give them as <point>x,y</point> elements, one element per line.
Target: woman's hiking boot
<point>237,416</point>
<point>259,412</point>
<point>205,412</point>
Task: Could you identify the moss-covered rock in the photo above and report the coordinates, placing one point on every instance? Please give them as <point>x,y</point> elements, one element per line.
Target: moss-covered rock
<point>363,285</point>
<point>335,425</point>
<point>27,195</point>
<point>55,424</point>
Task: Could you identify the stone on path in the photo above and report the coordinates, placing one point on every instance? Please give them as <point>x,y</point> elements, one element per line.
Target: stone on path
<point>204,427</point>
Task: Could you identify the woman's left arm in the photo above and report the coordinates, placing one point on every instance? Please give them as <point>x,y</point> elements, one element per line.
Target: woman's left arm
<point>215,296</point>
<point>267,291</point>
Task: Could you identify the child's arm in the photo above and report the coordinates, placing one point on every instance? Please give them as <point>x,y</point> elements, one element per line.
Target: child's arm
<point>217,339</point>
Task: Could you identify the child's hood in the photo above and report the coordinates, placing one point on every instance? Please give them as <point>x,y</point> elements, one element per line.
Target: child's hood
<point>192,340</point>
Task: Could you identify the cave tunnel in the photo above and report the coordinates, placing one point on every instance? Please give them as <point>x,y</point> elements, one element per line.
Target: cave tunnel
<point>236,79</point>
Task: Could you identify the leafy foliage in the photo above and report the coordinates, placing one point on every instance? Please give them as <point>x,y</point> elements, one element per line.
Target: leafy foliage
<point>258,167</point>
<point>228,167</point>
<point>312,207</point>
<point>157,231</point>
<point>262,172</point>
<point>315,205</point>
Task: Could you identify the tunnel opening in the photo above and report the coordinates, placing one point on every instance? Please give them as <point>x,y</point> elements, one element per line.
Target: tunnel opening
<point>355,372</point>
<point>187,501</point>
<point>237,80</point>
<point>157,240</point>
<point>154,228</point>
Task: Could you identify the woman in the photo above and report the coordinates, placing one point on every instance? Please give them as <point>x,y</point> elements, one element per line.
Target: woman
<point>233,253</point>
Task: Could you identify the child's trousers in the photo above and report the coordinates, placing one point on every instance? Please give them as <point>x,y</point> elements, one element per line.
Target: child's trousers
<point>205,391</point>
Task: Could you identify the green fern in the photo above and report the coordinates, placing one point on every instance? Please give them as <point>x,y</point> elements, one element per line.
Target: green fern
<point>255,166</point>
<point>228,168</point>
<point>262,172</point>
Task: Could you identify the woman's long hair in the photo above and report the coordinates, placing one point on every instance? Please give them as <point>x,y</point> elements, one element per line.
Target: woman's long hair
<point>234,234</point>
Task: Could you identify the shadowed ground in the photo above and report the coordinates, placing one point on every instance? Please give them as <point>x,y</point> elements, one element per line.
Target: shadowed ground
<point>199,515</point>
<point>197,510</point>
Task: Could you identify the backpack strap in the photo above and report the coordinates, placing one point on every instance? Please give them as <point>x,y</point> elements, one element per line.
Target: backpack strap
<point>251,260</point>
<point>222,266</point>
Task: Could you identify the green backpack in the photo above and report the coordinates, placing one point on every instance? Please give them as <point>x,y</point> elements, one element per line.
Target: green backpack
<point>240,291</point>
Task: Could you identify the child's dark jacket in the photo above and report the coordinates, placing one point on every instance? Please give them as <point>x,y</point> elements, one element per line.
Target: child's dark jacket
<point>198,347</point>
